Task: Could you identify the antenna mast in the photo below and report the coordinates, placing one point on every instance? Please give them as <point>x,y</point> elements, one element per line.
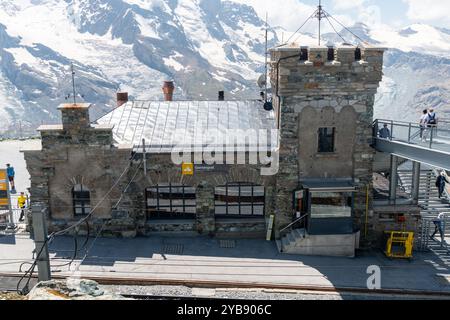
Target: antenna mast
<point>73,85</point>
<point>265,59</point>
<point>320,15</point>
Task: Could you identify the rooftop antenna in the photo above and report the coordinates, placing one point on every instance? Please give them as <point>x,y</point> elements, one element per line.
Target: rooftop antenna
<point>265,56</point>
<point>73,94</point>
<point>320,15</point>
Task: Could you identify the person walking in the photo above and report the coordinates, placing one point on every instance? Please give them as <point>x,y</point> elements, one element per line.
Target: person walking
<point>11,174</point>
<point>22,204</point>
<point>432,121</point>
<point>440,183</point>
<point>423,124</point>
<point>439,227</point>
<point>385,133</point>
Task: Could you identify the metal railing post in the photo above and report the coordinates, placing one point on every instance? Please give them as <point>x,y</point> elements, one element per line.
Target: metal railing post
<point>392,130</point>
<point>144,155</point>
<point>409,133</point>
<point>431,137</point>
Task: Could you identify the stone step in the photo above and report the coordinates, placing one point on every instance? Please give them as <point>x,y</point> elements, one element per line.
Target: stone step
<point>290,238</point>
<point>279,245</point>
<point>298,233</point>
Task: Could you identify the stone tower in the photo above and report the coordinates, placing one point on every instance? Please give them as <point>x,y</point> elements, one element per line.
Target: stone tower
<point>324,100</point>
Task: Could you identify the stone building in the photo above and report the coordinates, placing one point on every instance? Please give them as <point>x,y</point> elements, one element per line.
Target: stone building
<point>122,165</point>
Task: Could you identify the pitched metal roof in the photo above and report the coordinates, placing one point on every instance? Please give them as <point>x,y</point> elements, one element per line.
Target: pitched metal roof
<point>164,125</point>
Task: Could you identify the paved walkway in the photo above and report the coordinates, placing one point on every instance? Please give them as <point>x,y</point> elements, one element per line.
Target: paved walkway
<point>250,261</point>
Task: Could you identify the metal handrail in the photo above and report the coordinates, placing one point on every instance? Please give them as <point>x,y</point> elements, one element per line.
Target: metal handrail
<point>292,223</point>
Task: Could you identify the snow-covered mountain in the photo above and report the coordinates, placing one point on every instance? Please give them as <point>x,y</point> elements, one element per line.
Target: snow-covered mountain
<point>131,45</point>
<point>204,45</point>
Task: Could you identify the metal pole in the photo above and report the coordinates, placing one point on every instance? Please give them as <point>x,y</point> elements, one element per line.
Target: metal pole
<point>320,18</point>
<point>409,133</point>
<point>144,155</point>
<point>265,59</point>
<point>393,178</point>
<point>11,224</point>
<point>40,241</point>
<point>392,130</point>
<point>415,182</point>
<point>431,137</point>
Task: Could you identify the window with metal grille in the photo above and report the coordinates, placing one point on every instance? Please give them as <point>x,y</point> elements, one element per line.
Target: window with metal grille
<point>358,55</point>
<point>304,54</point>
<point>241,200</point>
<point>171,201</point>
<point>81,200</point>
<point>330,55</point>
<point>326,140</point>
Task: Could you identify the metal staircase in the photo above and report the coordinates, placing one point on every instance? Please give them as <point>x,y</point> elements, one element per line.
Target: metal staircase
<point>430,205</point>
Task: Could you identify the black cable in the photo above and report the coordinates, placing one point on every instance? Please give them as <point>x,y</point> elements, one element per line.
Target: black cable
<point>50,238</point>
<point>64,231</point>
<point>342,25</point>
<point>309,18</point>
<point>30,271</point>
<point>326,16</point>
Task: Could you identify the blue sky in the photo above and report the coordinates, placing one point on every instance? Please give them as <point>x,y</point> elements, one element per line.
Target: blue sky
<point>394,13</point>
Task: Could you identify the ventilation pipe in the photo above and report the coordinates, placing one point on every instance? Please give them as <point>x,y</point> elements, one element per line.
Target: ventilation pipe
<point>122,98</point>
<point>221,95</point>
<point>168,89</point>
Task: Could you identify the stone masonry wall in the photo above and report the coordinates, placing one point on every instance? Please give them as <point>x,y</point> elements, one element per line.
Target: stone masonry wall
<point>319,93</point>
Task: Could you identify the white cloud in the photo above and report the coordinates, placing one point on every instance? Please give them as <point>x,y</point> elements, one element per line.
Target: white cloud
<point>429,10</point>
<point>348,4</point>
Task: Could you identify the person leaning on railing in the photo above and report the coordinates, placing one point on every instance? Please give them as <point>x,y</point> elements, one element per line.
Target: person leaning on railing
<point>384,132</point>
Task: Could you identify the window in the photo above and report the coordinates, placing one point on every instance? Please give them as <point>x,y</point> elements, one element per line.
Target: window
<point>331,204</point>
<point>326,140</point>
<point>330,55</point>
<point>175,201</point>
<point>81,200</point>
<point>303,54</point>
<point>358,55</point>
<point>241,200</point>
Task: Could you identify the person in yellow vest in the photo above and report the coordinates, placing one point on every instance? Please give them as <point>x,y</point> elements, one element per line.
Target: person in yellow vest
<point>22,203</point>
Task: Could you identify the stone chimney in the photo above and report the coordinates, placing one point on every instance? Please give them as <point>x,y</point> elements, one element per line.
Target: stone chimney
<point>75,116</point>
<point>122,98</point>
<point>168,89</point>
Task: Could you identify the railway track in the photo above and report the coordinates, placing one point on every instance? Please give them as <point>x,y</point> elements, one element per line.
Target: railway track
<point>314,290</point>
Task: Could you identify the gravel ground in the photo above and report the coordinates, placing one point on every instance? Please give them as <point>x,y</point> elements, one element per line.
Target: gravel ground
<point>11,296</point>
<point>246,294</point>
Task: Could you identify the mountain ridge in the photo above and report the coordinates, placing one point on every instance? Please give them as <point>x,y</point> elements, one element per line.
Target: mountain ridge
<point>204,45</point>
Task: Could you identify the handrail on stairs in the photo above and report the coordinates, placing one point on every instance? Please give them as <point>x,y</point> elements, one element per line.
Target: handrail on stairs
<point>293,223</point>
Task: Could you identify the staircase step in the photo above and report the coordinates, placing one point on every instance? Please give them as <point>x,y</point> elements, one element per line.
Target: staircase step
<point>279,245</point>
<point>298,233</point>
<point>290,238</point>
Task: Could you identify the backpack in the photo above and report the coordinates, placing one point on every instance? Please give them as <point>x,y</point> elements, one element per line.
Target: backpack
<point>432,118</point>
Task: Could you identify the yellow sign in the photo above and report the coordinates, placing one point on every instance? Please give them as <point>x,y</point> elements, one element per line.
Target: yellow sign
<point>4,201</point>
<point>187,169</point>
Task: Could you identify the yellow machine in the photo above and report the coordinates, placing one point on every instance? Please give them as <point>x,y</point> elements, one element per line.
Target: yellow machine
<point>400,244</point>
